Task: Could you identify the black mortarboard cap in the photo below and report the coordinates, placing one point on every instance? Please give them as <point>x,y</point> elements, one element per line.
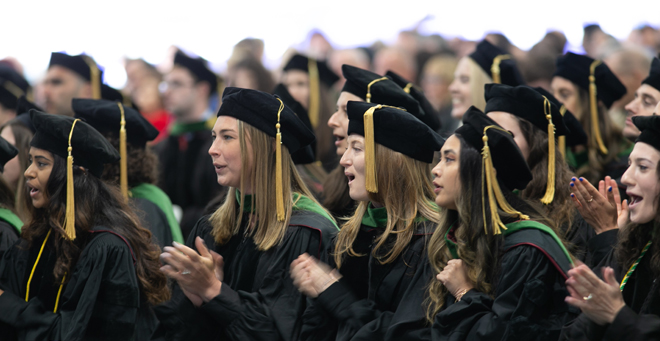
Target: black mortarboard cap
<point>498,64</point>
<point>259,109</point>
<point>654,75</point>
<point>431,116</point>
<point>576,135</point>
<point>649,126</point>
<point>7,152</point>
<point>105,116</point>
<point>199,68</point>
<point>512,169</point>
<point>12,86</point>
<point>305,155</point>
<point>23,106</point>
<point>89,148</point>
<point>82,65</point>
<point>524,102</point>
<point>395,129</point>
<point>300,62</point>
<point>577,69</point>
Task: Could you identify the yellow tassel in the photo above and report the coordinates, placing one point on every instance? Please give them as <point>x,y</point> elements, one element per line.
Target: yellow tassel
<point>369,87</point>
<point>123,162</point>
<point>407,88</point>
<point>495,68</point>
<point>550,187</point>
<point>561,141</point>
<point>70,217</point>
<point>490,185</point>
<point>94,77</point>
<point>279,193</point>
<point>370,150</point>
<point>314,92</point>
<point>595,128</point>
<point>13,89</point>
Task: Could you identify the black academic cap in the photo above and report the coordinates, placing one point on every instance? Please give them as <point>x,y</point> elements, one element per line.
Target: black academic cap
<point>12,86</point>
<point>260,110</point>
<point>7,152</point>
<point>23,106</point>
<point>498,64</point>
<point>88,147</point>
<point>305,155</point>
<point>395,129</point>
<point>431,116</point>
<point>198,67</point>
<point>654,75</point>
<point>524,102</point>
<point>80,64</point>
<point>383,90</point>
<point>577,69</point>
<point>111,94</point>
<point>576,135</point>
<point>508,161</point>
<point>300,62</point>
<point>649,126</point>
<point>105,116</point>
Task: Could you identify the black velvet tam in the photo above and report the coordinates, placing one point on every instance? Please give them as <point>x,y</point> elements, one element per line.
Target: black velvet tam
<point>524,102</point>
<point>654,76</point>
<point>259,109</point>
<point>396,129</point>
<point>305,155</point>
<point>76,64</point>
<point>198,67</point>
<point>300,62</point>
<point>12,86</point>
<point>511,167</point>
<point>431,116</point>
<point>484,56</point>
<point>576,68</point>
<point>89,148</point>
<point>105,116</point>
<point>650,128</point>
<point>7,152</point>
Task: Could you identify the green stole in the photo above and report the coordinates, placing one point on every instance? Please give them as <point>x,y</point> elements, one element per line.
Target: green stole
<point>158,197</point>
<point>11,219</point>
<point>179,129</point>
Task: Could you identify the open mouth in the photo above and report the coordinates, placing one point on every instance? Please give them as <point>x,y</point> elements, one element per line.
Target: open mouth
<point>634,200</point>
<point>350,177</point>
<point>32,190</point>
<point>339,139</point>
<point>219,168</point>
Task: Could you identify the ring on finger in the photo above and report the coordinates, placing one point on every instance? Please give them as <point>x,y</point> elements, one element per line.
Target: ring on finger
<point>185,272</point>
<point>590,200</point>
<point>586,298</point>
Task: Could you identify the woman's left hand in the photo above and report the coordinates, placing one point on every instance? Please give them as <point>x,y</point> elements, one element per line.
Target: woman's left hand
<point>195,272</point>
<point>454,278</point>
<point>311,276</point>
<point>599,301</point>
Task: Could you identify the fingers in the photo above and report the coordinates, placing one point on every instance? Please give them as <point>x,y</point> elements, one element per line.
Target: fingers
<point>577,203</point>
<point>590,279</point>
<point>588,191</point>
<point>172,260</point>
<point>169,270</point>
<point>602,188</point>
<point>218,260</point>
<point>575,188</point>
<point>608,275</point>
<point>201,247</point>
<point>192,254</point>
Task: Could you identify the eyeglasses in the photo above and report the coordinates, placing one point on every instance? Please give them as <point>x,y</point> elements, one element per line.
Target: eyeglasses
<point>173,86</point>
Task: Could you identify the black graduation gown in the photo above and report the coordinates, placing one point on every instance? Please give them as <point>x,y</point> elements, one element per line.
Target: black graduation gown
<point>8,236</point>
<point>188,176</point>
<point>578,237</point>
<point>100,301</point>
<point>258,300</point>
<point>638,320</point>
<point>528,301</point>
<point>154,219</point>
<point>374,301</point>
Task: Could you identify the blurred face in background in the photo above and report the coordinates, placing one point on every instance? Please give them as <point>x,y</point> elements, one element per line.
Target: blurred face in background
<point>567,93</point>
<point>60,87</point>
<point>180,92</point>
<point>436,78</point>
<point>338,122</point>
<point>644,104</point>
<point>297,83</point>
<point>460,90</point>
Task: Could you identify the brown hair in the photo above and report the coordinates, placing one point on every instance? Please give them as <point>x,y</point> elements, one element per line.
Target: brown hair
<point>336,196</point>
<point>266,231</point>
<point>406,192</point>
<point>142,164</point>
<point>97,204</point>
<point>22,138</point>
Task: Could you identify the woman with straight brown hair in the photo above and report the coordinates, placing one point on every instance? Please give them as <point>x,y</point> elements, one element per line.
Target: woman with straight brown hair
<point>10,223</point>
<point>376,290</point>
<point>232,278</point>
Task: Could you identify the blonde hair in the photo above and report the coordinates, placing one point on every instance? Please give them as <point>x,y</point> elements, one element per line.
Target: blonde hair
<point>406,192</point>
<point>266,231</point>
<point>478,79</point>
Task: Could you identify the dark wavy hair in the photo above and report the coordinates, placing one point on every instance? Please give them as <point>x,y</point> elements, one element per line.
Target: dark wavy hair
<point>97,204</point>
<point>142,164</point>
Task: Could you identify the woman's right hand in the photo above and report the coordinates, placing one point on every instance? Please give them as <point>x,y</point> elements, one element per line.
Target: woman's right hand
<point>601,208</point>
<point>311,276</point>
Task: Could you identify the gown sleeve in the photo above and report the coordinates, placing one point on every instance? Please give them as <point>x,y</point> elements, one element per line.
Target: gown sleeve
<point>528,304</point>
<point>8,236</point>
<point>99,302</point>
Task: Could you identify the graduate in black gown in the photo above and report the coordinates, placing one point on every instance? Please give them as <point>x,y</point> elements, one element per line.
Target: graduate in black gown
<point>500,266</point>
<point>137,180</point>
<point>84,268</point>
<point>376,290</point>
<point>10,223</point>
<point>624,303</point>
<point>233,275</point>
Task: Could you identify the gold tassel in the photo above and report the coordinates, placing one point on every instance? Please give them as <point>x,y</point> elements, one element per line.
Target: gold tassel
<point>94,77</point>
<point>561,141</point>
<point>550,187</point>
<point>314,92</point>
<point>123,162</point>
<point>279,193</point>
<point>595,128</point>
<point>495,68</point>
<point>370,150</point>
<point>407,88</point>
<point>369,87</point>
<point>13,89</point>
<point>495,196</point>
<point>70,218</point>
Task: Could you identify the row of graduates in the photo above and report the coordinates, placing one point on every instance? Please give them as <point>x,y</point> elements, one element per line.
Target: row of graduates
<point>500,261</point>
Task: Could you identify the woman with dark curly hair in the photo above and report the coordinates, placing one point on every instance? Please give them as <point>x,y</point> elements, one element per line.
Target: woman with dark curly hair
<point>138,178</point>
<point>84,268</point>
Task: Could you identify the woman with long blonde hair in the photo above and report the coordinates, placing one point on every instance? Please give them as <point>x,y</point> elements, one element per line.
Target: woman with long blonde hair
<point>376,290</point>
<point>232,277</point>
